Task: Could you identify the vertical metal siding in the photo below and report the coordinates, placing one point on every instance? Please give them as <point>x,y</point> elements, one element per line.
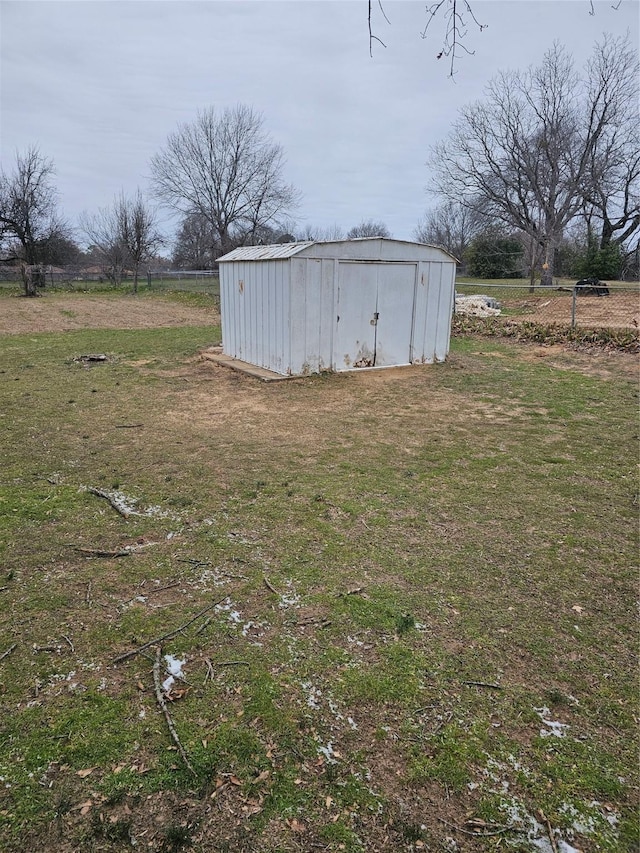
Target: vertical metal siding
<point>447,295</point>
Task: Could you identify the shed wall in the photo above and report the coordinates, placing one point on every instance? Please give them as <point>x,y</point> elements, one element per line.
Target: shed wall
<point>255,308</point>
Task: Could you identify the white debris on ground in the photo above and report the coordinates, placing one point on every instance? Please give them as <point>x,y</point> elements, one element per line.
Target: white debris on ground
<point>129,506</point>
<point>290,598</point>
<point>553,728</point>
<point>583,818</point>
<point>477,306</point>
<point>328,752</point>
<point>249,628</point>
<point>173,666</point>
<point>314,697</point>
<point>537,835</point>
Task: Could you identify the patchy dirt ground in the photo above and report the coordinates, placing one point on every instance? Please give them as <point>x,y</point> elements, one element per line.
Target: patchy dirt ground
<point>61,312</point>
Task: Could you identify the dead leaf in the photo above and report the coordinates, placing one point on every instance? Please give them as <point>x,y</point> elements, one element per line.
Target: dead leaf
<point>234,780</point>
<point>262,776</point>
<point>577,608</point>
<point>83,773</point>
<point>176,693</point>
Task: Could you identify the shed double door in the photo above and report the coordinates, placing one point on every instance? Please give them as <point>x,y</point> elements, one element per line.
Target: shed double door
<point>374,314</point>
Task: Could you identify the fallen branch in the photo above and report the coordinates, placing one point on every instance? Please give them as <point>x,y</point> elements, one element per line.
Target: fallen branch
<point>204,626</point>
<point>483,684</point>
<point>8,651</point>
<point>163,705</point>
<point>98,552</point>
<point>269,586</point>
<point>107,497</point>
<point>498,831</point>
<point>129,426</point>
<point>71,646</point>
<point>169,635</point>
<point>547,824</point>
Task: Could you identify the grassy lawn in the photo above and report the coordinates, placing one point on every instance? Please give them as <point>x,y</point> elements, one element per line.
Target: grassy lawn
<point>421,631</point>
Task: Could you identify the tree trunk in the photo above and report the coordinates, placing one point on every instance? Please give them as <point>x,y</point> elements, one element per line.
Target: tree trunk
<point>546,279</point>
<point>28,280</point>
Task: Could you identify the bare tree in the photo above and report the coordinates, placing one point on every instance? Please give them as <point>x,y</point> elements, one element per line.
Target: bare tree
<point>368,229</point>
<point>138,229</point>
<point>224,167</point>
<point>457,18</point>
<point>125,235</point>
<point>195,243</point>
<point>319,233</point>
<point>525,153</point>
<point>29,221</point>
<point>451,226</point>
<point>612,196</point>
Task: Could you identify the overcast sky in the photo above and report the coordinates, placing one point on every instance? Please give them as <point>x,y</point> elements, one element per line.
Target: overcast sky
<point>98,86</point>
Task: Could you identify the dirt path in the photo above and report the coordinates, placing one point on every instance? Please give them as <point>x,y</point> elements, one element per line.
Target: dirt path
<point>61,312</point>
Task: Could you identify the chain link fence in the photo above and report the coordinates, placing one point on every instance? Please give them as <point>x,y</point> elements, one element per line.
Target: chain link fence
<point>83,279</point>
<point>602,306</point>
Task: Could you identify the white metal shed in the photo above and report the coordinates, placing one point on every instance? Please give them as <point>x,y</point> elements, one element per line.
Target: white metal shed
<point>299,308</point>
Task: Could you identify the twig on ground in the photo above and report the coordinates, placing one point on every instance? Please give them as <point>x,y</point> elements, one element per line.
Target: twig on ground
<point>500,830</point>
<point>3,588</point>
<point>87,596</point>
<point>357,590</point>
<point>8,651</point>
<point>146,592</point>
<point>204,626</point>
<point>128,426</point>
<point>168,635</point>
<point>446,719</point>
<point>99,552</point>
<point>483,684</point>
<point>211,665</point>
<point>38,649</point>
<point>163,705</point>
<point>547,824</point>
<point>71,646</point>
<point>323,622</point>
<point>209,673</point>
<point>269,585</point>
<point>107,497</point>
<point>197,563</point>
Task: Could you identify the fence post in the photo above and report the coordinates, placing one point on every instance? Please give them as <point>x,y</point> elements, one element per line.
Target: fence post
<point>149,279</point>
<point>573,307</point>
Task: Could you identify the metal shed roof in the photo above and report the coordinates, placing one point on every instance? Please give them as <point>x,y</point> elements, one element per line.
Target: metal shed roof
<point>265,253</point>
<point>289,250</point>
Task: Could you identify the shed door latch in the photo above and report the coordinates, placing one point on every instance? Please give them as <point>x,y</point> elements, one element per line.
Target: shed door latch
<point>374,322</point>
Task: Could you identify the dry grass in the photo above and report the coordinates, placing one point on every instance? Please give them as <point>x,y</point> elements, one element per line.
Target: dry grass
<point>420,531</point>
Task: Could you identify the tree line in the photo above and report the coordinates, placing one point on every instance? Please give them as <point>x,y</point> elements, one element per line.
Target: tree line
<point>544,170</point>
